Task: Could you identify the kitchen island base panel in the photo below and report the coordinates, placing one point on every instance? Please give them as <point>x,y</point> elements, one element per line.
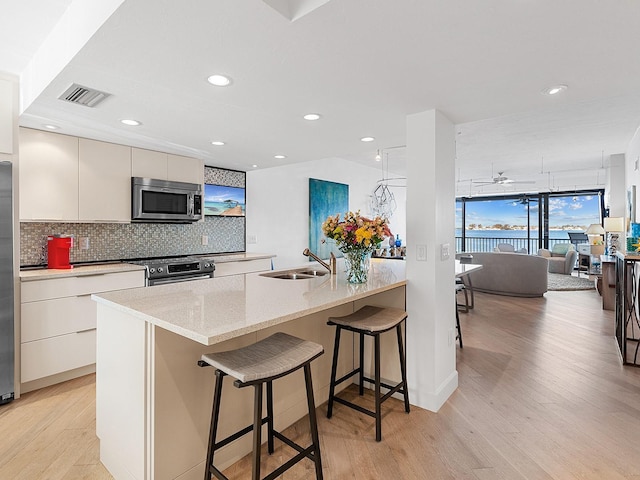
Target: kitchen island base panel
<point>153,403</point>
<point>122,387</point>
<point>162,395</point>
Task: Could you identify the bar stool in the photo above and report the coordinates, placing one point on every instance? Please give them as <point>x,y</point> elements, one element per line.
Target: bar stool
<point>461,287</point>
<point>257,364</point>
<point>370,321</point>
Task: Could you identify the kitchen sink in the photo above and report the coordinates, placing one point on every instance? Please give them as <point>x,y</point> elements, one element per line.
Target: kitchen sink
<point>298,274</point>
<point>313,273</point>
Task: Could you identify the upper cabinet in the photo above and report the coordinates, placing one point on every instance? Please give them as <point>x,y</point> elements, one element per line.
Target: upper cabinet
<point>185,169</point>
<point>6,115</point>
<point>164,166</point>
<point>148,164</point>
<point>104,182</point>
<point>64,178</point>
<point>48,176</point>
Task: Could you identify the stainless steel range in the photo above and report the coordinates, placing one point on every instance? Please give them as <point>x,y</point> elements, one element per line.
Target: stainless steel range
<point>161,271</point>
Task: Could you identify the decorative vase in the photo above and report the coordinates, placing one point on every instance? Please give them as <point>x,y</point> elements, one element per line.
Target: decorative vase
<point>398,241</point>
<point>357,263</point>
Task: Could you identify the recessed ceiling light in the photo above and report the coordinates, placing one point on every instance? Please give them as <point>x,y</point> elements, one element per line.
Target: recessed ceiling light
<point>219,80</point>
<point>131,122</point>
<point>279,157</point>
<point>217,143</point>
<point>554,90</point>
<point>51,127</point>
<point>367,139</point>
<point>254,166</point>
<point>312,116</point>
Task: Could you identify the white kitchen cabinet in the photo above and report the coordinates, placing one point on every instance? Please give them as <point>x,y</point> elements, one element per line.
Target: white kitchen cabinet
<point>48,165</point>
<point>148,164</point>
<point>185,169</point>
<point>58,323</point>
<point>224,269</point>
<point>104,181</point>
<point>64,178</point>
<point>163,166</point>
<point>7,118</point>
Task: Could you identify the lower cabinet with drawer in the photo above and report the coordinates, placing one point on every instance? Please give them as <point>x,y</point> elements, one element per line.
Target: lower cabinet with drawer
<point>58,325</point>
<point>238,267</point>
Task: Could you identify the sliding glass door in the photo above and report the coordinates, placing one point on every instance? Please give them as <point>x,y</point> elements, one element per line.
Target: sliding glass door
<point>526,222</point>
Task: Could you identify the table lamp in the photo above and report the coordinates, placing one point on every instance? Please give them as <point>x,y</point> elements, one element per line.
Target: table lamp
<point>613,226</point>
<point>596,233</point>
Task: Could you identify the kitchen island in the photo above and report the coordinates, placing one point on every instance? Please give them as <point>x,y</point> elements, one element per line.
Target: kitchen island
<point>153,403</point>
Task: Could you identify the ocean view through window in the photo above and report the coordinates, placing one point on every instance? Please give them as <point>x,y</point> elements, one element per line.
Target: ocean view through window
<point>528,222</point>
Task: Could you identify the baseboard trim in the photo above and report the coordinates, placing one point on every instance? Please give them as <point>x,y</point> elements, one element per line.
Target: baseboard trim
<point>433,401</point>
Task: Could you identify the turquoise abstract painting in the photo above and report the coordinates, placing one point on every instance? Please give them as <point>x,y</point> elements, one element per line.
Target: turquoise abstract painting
<point>325,199</point>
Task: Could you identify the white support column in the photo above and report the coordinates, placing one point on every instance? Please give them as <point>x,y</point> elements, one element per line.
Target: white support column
<point>431,347</point>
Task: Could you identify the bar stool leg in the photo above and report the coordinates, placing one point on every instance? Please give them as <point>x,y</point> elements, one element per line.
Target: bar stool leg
<point>458,326</point>
<point>377,389</point>
<point>215,414</point>
<point>313,423</point>
<point>257,431</point>
<point>270,416</point>
<point>361,365</point>
<point>468,283</point>
<point>403,368</point>
<point>334,367</point>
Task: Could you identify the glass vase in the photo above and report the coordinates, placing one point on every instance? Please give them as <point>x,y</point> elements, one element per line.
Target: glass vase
<point>357,263</point>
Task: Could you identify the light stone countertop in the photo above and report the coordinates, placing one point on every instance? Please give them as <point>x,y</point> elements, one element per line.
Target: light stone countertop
<point>213,310</point>
<point>239,257</point>
<point>97,269</point>
<point>115,267</point>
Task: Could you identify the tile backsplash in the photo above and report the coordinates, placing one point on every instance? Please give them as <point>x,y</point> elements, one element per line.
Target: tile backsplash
<point>120,241</point>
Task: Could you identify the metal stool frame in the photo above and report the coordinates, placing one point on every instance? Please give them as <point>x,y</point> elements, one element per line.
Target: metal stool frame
<point>312,452</point>
<point>379,399</point>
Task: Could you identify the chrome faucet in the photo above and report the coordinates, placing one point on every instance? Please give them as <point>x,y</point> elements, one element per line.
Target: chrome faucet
<point>331,266</point>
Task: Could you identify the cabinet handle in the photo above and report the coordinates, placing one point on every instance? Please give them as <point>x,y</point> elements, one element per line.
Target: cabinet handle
<point>87,330</point>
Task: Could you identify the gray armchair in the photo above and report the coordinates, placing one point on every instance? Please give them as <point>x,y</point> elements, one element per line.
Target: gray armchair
<point>562,258</point>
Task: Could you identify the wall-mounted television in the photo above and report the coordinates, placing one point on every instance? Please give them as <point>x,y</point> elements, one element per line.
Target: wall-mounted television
<point>221,200</point>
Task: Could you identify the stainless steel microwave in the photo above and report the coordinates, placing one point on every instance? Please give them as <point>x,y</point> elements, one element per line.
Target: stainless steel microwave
<point>164,201</point>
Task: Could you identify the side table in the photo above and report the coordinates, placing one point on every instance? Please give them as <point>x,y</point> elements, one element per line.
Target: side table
<point>627,327</point>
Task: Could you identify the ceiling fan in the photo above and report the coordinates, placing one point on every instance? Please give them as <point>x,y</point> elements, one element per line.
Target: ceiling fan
<point>502,180</point>
<point>522,200</point>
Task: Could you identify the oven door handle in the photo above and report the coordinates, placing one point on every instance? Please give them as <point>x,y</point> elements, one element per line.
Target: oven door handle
<point>163,281</point>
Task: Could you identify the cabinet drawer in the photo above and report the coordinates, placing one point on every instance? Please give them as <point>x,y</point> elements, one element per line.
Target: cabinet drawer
<point>58,354</point>
<point>36,290</point>
<point>239,267</point>
<point>50,318</point>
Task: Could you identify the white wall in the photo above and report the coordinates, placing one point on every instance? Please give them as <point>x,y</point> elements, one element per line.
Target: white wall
<point>278,204</point>
<point>616,192</point>
<point>632,166</point>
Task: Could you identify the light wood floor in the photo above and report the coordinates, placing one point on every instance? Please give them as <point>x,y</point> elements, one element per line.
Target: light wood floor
<point>542,395</point>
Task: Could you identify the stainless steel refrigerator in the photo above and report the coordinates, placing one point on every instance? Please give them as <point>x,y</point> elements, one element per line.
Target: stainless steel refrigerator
<point>7,353</point>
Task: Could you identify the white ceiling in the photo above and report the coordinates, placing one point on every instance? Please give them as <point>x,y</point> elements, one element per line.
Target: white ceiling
<point>364,65</point>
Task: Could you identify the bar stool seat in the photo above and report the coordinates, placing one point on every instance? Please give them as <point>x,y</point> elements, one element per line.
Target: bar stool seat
<point>372,321</point>
<point>257,364</point>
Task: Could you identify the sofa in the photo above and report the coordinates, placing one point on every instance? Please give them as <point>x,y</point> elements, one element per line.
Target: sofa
<point>507,247</point>
<point>562,258</point>
<point>513,274</point>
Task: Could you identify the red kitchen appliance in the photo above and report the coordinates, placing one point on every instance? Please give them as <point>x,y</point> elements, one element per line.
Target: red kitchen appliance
<point>58,247</point>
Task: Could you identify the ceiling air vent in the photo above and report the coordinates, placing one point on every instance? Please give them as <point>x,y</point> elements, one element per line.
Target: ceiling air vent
<point>89,97</point>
